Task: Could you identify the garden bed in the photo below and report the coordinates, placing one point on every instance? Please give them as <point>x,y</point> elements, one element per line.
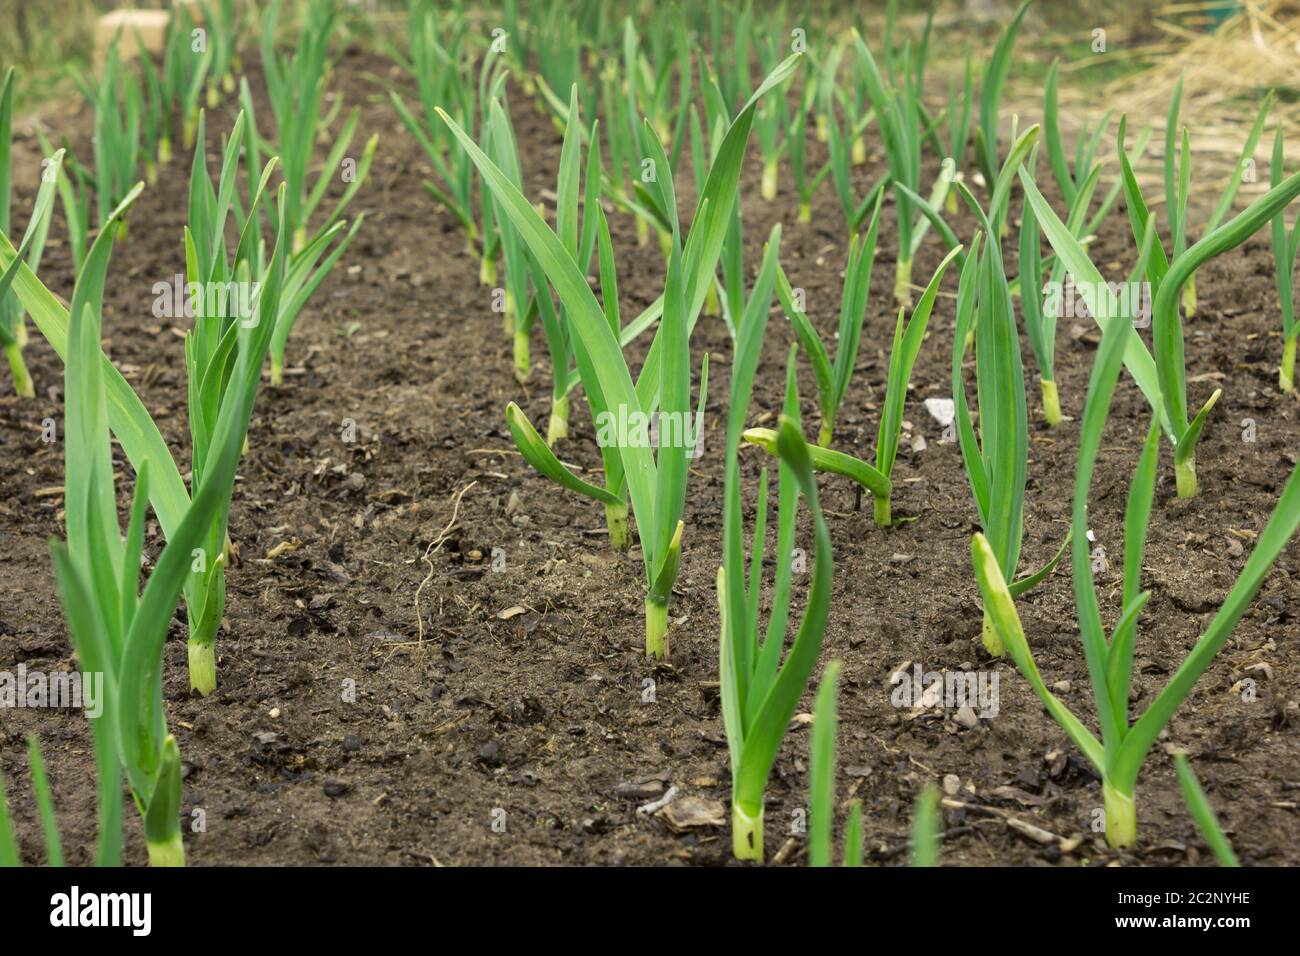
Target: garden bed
<point>511,722</point>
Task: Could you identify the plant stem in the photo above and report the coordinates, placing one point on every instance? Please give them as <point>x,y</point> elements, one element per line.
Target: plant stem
<point>642,231</point>
<point>665,243</point>
<point>108,852</point>
<point>1185,477</point>
<point>746,833</point>
<point>168,852</point>
<point>824,432</point>
<point>768,189</point>
<point>1189,296</point>
<point>823,128</point>
<point>903,282</point>
<point>487,271</point>
<point>1286,372</point>
<point>299,239</point>
<point>559,424</point>
<point>951,202</point>
<point>858,152</point>
<point>22,378</point>
<point>277,371</point>
<point>523,364</point>
<point>203,665</point>
<point>656,628</point>
<point>881,510</point>
<point>620,538</point>
<point>805,211</point>
<point>164,150</point>
<point>1121,816</point>
<point>711,305</point>
<point>1051,402</point>
<point>992,642</point>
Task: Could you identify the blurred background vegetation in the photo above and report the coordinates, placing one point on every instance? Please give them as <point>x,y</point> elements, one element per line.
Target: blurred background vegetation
<point>46,38</point>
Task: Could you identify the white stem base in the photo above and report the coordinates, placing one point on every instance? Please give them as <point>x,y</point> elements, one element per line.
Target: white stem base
<point>1185,478</point>
<point>746,834</point>
<point>903,282</point>
<point>203,668</point>
<point>992,642</point>
<point>1051,403</point>
<point>558,428</point>
<point>1121,817</point>
<point>620,538</point>
<point>170,852</point>
<point>656,629</point>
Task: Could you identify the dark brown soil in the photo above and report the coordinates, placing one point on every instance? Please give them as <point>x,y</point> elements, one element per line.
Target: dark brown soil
<point>543,715</point>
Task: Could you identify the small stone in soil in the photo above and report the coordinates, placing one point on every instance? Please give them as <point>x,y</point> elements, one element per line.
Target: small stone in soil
<point>639,789</point>
<point>336,788</point>
<point>490,754</point>
<point>689,812</point>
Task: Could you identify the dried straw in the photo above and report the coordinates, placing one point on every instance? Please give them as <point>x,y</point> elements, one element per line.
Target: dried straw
<point>1225,75</point>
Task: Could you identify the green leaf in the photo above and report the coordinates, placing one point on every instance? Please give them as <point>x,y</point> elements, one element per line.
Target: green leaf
<point>1186,447</point>
<point>536,452</point>
<point>8,848</point>
<point>1167,333</point>
<point>826,460</point>
<point>162,813</point>
<point>1272,541</point>
<point>763,738</point>
<point>973,459</point>
<point>130,421</point>
<point>1002,609</point>
<point>1099,300</point>
<point>821,774</point>
<point>1030,581</point>
<point>995,76</point>
<point>925,828</point>
<point>853,305</point>
<point>1199,807</point>
<point>586,314</point>
<point>1101,389</point>
<point>811,342</point>
<point>44,804</point>
<point>906,347</point>
<point>1055,149</point>
<point>1239,171</point>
